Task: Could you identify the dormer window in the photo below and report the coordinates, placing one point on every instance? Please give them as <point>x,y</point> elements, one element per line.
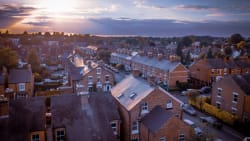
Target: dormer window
<point>169,104</point>
<point>133,95</point>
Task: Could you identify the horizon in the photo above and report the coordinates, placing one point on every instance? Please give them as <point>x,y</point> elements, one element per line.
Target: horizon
<point>172,18</point>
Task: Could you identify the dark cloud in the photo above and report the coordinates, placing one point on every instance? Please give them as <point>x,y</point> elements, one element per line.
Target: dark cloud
<point>196,7</point>
<point>10,14</point>
<point>166,27</point>
<point>38,23</point>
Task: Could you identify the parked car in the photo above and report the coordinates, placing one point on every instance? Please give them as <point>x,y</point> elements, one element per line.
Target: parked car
<point>189,109</point>
<point>197,130</point>
<point>210,120</point>
<point>205,90</point>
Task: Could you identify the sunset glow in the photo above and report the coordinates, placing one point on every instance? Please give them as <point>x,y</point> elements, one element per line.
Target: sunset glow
<point>58,6</point>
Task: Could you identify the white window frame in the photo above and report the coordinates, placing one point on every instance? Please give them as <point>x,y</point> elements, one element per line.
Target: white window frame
<point>114,127</point>
<point>169,104</point>
<point>234,110</point>
<point>90,79</point>
<point>98,70</point>
<point>182,137</point>
<point>134,139</point>
<point>35,137</point>
<point>237,99</point>
<point>144,108</point>
<point>162,139</point>
<point>135,127</point>
<point>21,87</point>
<point>219,90</point>
<point>60,137</point>
<point>107,78</point>
<point>218,103</point>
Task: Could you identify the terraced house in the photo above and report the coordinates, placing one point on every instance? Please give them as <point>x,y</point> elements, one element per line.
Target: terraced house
<point>148,113</point>
<point>207,71</point>
<point>232,94</point>
<point>155,69</point>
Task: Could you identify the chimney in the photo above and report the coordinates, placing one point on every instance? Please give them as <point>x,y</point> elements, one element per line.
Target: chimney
<point>141,53</point>
<point>29,67</point>
<point>136,73</point>
<point>89,64</point>
<point>160,56</point>
<point>150,54</point>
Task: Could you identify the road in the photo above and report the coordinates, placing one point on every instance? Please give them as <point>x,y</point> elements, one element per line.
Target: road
<point>225,134</point>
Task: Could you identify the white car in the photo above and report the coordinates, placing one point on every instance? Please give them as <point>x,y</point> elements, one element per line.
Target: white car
<point>197,130</point>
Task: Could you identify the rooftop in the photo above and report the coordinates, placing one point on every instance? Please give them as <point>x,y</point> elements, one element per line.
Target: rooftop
<point>156,118</point>
<point>243,81</point>
<point>20,76</point>
<point>130,91</point>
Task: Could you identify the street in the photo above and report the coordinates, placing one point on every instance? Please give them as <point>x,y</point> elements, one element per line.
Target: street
<point>226,133</point>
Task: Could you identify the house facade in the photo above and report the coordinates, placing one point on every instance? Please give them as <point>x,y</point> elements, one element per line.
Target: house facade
<point>155,69</point>
<point>232,94</point>
<point>21,83</point>
<point>136,99</point>
<point>206,71</point>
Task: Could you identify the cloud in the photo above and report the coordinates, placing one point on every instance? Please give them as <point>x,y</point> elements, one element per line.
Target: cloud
<point>98,10</point>
<point>10,14</point>
<point>216,15</point>
<point>195,7</point>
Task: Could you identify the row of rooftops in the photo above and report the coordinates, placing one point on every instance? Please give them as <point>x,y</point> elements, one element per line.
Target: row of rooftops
<point>154,62</point>
<point>86,117</point>
<point>243,81</point>
<point>17,76</point>
<point>226,63</point>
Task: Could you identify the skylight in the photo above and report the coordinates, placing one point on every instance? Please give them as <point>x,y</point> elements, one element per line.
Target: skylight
<point>120,96</point>
<point>133,95</point>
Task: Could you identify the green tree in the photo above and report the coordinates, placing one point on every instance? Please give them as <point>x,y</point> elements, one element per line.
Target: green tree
<point>8,58</point>
<point>235,38</point>
<point>34,60</point>
<point>104,55</point>
<point>187,40</point>
<point>188,58</point>
<point>179,52</point>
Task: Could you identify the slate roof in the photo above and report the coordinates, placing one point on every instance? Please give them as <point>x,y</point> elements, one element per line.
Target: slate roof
<point>161,64</point>
<point>156,118</point>
<point>217,63</point>
<point>129,86</point>
<point>85,117</point>
<point>25,116</point>
<point>19,76</point>
<point>243,81</point>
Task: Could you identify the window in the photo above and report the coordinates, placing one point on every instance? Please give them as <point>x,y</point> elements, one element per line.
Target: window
<point>135,127</point>
<point>114,127</point>
<point>35,137</point>
<point>169,104</point>
<point>90,89</point>
<point>106,78</point>
<point>234,111</point>
<point>98,70</point>
<point>90,79</point>
<point>22,87</point>
<point>212,71</point>
<point>218,104</point>
<point>235,97</point>
<point>181,137</point>
<point>60,135</point>
<point>144,108</point>
<point>162,139</point>
<point>225,71</point>
<point>219,91</point>
<point>135,139</point>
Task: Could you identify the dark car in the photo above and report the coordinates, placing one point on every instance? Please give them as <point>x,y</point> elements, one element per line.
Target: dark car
<point>205,90</point>
<point>189,109</point>
<point>210,120</point>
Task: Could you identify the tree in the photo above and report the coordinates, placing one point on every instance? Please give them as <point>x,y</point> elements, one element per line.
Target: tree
<point>188,58</point>
<point>179,52</point>
<point>235,38</point>
<point>34,60</point>
<point>228,51</point>
<point>210,53</point>
<point>8,58</point>
<point>187,40</point>
<point>104,55</point>
<point>241,44</point>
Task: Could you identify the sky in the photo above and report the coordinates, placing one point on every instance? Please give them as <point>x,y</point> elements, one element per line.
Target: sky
<point>127,17</point>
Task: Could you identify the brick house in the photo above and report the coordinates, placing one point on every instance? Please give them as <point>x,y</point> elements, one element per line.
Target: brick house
<point>91,77</point>
<point>232,94</point>
<point>136,100</point>
<point>64,117</point>
<point>154,69</point>
<point>206,71</point>
<point>21,82</point>
<point>2,84</point>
